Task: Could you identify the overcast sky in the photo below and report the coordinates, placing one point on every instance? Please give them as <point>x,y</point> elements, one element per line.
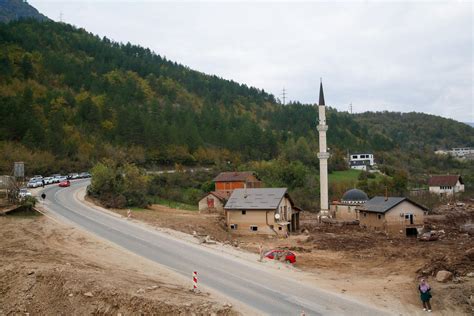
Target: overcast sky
<point>379,55</point>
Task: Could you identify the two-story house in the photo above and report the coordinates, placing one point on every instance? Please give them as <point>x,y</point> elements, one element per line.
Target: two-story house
<point>224,184</point>
<point>261,211</point>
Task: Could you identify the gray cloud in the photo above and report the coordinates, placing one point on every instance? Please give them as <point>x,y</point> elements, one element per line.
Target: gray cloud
<point>379,56</point>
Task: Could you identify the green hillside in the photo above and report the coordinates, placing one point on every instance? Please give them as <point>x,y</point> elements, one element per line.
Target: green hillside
<point>69,98</point>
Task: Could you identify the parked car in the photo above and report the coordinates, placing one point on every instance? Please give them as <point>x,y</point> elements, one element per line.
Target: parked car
<point>61,178</point>
<point>84,175</point>
<point>73,176</point>
<point>35,183</point>
<point>23,193</point>
<point>429,236</point>
<point>48,180</point>
<point>278,254</point>
<point>65,183</point>
<point>56,177</point>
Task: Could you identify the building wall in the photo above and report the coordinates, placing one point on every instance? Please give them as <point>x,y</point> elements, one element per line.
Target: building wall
<point>229,186</point>
<point>362,167</point>
<point>204,205</point>
<point>345,212</point>
<point>263,219</point>
<point>250,183</point>
<point>395,219</point>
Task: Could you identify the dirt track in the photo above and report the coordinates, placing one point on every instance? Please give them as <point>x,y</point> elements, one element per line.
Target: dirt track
<point>47,268</point>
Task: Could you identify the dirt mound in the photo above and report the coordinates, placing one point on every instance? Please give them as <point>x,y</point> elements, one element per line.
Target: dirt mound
<point>53,291</point>
<point>50,269</point>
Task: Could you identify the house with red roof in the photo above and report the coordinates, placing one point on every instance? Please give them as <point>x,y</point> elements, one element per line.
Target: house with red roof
<point>446,185</point>
<point>224,184</point>
<point>229,181</point>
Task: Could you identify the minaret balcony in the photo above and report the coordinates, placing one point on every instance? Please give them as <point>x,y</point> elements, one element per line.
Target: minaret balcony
<point>324,155</point>
<point>322,128</point>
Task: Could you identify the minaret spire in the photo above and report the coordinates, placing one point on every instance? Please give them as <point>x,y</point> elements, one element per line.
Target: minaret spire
<point>323,155</point>
<point>321,93</point>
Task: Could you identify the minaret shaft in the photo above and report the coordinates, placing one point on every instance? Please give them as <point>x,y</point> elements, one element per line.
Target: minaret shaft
<point>323,155</point>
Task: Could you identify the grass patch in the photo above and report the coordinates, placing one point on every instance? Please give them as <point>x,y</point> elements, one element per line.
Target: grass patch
<point>350,175</point>
<point>173,204</point>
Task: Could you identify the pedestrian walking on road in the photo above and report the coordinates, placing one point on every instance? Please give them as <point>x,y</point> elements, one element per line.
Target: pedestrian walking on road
<point>260,252</point>
<point>425,294</point>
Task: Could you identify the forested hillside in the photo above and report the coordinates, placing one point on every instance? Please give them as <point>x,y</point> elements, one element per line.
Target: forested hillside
<point>69,98</point>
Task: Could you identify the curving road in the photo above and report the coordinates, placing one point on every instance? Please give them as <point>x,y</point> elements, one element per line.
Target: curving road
<point>246,282</point>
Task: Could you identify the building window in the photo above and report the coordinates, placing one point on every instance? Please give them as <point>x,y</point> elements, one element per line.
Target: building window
<point>233,226</point>
<point>279,228</point>
<point>365,214</point>
<point>244,212</point>
<point>379,216</point>
<point>253,228</point>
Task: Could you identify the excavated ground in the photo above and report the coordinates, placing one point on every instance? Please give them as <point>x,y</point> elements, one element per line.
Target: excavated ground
<point>47,268</point>
<point>357,262</point>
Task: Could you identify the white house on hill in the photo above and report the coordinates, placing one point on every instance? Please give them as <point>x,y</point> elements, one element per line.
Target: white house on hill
<point>446,185</point>
<point>361,161</point>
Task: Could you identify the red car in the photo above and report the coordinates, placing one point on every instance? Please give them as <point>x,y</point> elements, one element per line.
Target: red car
<point>64,183</point>
<point>278,254</point>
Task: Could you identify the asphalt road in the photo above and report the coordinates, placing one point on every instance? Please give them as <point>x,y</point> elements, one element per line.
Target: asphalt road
<point>265,292</point>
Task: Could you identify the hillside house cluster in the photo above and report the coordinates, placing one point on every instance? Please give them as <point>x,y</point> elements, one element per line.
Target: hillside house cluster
<point>250,209</point>
<point>460,153</point>
<point>393,215</point>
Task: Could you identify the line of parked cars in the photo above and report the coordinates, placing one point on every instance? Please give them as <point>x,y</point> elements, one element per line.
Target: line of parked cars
<point>38,180</point>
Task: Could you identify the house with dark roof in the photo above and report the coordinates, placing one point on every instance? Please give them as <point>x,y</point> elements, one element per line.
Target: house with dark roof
<point>261,211</point>
<point>228,181</point>
<point>446,185</point>
<point>394,215</point>
<point>213,202</point>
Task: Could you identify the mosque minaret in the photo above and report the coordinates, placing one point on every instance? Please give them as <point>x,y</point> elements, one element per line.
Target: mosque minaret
<point>323,155</point>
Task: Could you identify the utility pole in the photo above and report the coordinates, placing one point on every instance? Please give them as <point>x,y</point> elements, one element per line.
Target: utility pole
<point>283,94</point>
<point>350,107</point>
<point>61,16</point>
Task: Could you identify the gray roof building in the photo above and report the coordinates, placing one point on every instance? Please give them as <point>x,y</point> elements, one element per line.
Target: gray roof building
<point>256,199</point>
<point>381,204</point>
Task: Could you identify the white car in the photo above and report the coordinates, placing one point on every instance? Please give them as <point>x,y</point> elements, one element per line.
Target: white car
<point>23,193</point>
<point>48,180</point>
<point>35,183</point>
<point>55,177</point>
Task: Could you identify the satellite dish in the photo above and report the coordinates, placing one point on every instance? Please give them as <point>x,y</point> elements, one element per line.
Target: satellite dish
<point>277,216</point>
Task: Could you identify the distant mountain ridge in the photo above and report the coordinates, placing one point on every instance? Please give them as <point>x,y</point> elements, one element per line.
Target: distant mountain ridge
<point>74,98</point>
<point>11,10</point>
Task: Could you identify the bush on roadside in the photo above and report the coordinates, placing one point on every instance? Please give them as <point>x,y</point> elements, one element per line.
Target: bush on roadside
<point>118,185</point>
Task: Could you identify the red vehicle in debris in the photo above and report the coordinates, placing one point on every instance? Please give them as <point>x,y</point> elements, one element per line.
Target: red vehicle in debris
<point>278,254</point>
<point>64,183</point>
